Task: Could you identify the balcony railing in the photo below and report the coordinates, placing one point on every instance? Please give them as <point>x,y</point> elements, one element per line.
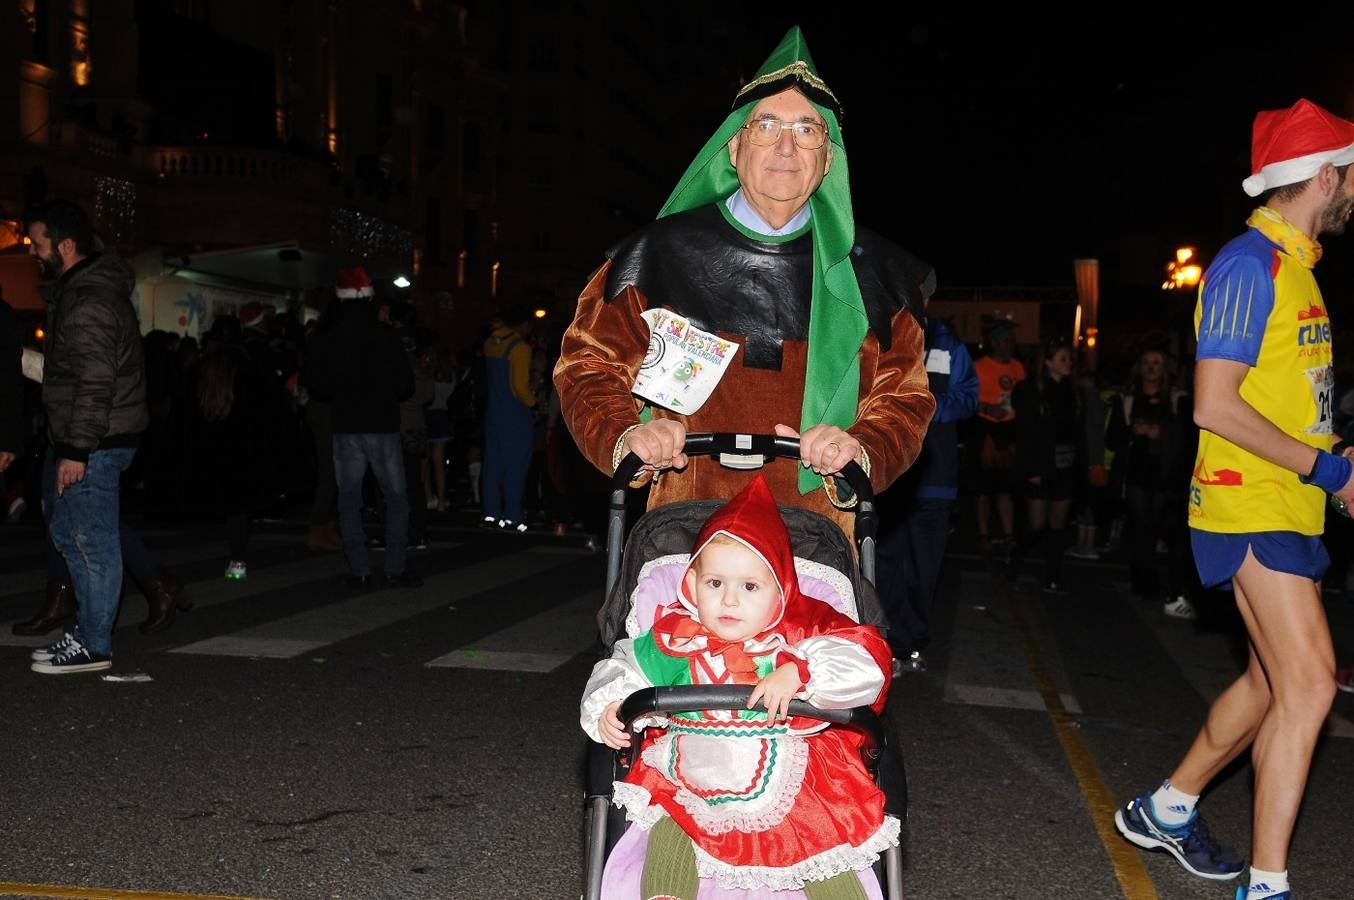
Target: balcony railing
<point>227,164</point>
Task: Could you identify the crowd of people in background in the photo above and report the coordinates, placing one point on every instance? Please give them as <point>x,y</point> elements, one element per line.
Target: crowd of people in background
<point>362,418</point>
<point>1100,461</point>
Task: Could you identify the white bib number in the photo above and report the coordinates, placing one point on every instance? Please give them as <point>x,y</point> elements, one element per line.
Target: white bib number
<point>1323,397</point>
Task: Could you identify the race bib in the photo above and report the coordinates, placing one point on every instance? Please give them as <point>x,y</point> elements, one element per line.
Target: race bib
<point>683,364</point>
<point>1322,379</point>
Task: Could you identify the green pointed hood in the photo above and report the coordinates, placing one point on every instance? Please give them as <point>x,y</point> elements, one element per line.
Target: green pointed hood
<point>837,321</point>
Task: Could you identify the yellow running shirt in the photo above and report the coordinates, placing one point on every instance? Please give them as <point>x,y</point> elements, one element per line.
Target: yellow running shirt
<point>1259,304</point>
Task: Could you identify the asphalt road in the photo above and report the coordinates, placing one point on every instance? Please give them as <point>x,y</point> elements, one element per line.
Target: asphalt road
<point>298,740</point>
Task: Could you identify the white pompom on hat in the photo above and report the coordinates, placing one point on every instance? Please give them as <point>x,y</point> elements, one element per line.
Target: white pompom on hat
<point>1289,146</point>
<point>352,283</point>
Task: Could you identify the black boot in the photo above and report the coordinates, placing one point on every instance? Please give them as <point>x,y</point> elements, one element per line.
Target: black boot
<point>164,595</point>
<point>60,610</point>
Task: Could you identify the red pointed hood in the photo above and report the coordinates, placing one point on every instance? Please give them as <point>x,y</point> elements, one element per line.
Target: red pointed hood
<point>752,519</point>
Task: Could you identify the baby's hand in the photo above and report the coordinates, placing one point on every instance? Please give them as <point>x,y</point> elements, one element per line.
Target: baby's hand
<point>778,689</point>
<point>611,728</point>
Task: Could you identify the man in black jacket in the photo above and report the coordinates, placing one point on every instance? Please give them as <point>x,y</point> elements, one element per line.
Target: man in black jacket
<point>94,392</point>
<point>363,369</point>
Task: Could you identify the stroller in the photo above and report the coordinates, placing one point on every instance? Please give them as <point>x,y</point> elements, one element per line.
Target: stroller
<point>650,567</point>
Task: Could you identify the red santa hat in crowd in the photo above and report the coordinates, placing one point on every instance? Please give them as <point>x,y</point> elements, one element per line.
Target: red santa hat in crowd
<point>352,283</point>
<point>252,315</point>
<point>1289,146</point>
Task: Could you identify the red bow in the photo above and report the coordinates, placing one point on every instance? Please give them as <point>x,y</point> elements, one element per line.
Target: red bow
<point>736,660</point>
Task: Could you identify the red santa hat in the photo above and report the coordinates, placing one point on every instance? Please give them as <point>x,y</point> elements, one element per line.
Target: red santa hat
<point>1289,146</point>
<point>252,314</point>
<point>353,282</point>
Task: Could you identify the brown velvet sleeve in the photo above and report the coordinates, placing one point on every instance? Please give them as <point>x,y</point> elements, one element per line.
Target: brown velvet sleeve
<point>896,405</point>
<point>599,357</point>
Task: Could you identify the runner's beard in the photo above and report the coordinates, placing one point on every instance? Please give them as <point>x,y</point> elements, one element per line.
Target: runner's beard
<point>1335,215</point>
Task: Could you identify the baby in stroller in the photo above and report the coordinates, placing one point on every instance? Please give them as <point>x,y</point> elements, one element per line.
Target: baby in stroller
<point>754,800</point>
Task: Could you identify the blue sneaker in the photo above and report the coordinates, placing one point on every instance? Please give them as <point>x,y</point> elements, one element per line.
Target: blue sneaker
<point>1191,844</point>
<point>1242,890</point>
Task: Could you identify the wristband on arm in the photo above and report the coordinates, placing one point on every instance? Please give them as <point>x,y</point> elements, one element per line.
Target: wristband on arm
<point>1329,472</point>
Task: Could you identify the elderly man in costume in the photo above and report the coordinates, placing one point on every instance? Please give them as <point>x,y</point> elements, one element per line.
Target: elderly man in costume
<point>757,247</point>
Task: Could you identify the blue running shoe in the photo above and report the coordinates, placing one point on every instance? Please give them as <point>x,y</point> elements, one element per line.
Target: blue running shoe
<point>1242,890</point>
<point>1191,844</point>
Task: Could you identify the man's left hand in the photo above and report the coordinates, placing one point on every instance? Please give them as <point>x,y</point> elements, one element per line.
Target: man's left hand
<point>68,472</point>
<point>824,448</point>
<point>6,459</point>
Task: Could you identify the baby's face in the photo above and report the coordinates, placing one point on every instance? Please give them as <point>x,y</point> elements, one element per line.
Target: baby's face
<point>735,593</point>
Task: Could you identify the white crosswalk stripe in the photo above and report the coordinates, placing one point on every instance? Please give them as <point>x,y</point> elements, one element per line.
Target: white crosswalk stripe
<point>554,637</point>
<point>305,632</point>
<point>987,666</point>
<point>34,580</point>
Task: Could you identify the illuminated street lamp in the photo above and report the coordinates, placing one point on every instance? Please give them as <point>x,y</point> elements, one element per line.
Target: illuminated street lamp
<point>1182,274</point>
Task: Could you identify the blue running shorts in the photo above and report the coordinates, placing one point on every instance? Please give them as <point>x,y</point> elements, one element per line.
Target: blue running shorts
<point>1219,556</point>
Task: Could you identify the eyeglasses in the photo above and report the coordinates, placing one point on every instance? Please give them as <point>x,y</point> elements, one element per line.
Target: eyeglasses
<point>806,135</point>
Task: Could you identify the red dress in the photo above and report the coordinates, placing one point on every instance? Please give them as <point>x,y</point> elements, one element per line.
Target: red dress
<point>765,804</point>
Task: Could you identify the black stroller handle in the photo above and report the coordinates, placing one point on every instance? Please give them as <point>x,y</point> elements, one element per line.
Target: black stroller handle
<point>695,697</point>
<point>767,446</point>
<point>743,448</point>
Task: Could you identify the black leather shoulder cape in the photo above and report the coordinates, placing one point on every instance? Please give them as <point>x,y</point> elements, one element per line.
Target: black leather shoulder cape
<point>698,264</point>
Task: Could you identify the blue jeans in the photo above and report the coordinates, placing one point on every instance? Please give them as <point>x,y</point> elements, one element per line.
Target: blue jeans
<point>83,525</point>
<point>352,454</point>
<point>136,559</point>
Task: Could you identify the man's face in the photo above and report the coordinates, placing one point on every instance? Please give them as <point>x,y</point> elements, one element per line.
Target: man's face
<point>50,261</point>
<point>780,173</point>
<point>1003,345</point>
<point>1335,214</point>
<point>1151,366</point>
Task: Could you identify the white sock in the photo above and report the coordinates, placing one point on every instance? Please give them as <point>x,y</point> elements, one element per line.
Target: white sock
<point>1172,806</point>
<point>1266,884</point>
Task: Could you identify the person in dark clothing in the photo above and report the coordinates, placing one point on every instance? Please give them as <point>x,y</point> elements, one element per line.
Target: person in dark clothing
<point>362,366</point>
<point>1048,458</point>
<point>94,392</point>
<point>1148,433</point>
<point>163,591</point>
<point>239,419</point>
<point>322,535</point>
<point>413,424</point>
<point>912,549</point>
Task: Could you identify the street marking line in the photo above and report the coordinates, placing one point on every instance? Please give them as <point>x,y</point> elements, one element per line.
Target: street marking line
<point>1005,698</point>
<point>17,889</point>
<point>303,632</point>
<point>986,665</point>
<point>500,661</point>
<point>217,590</point>
<point>555,636</point>
<point>1124,858</point>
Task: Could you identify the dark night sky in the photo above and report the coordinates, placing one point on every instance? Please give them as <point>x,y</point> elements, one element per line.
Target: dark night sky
<point>1001,152</point>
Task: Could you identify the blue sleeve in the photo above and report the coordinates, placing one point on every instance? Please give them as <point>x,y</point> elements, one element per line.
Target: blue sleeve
<point>1236,300</point>
<point>961,400</point>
